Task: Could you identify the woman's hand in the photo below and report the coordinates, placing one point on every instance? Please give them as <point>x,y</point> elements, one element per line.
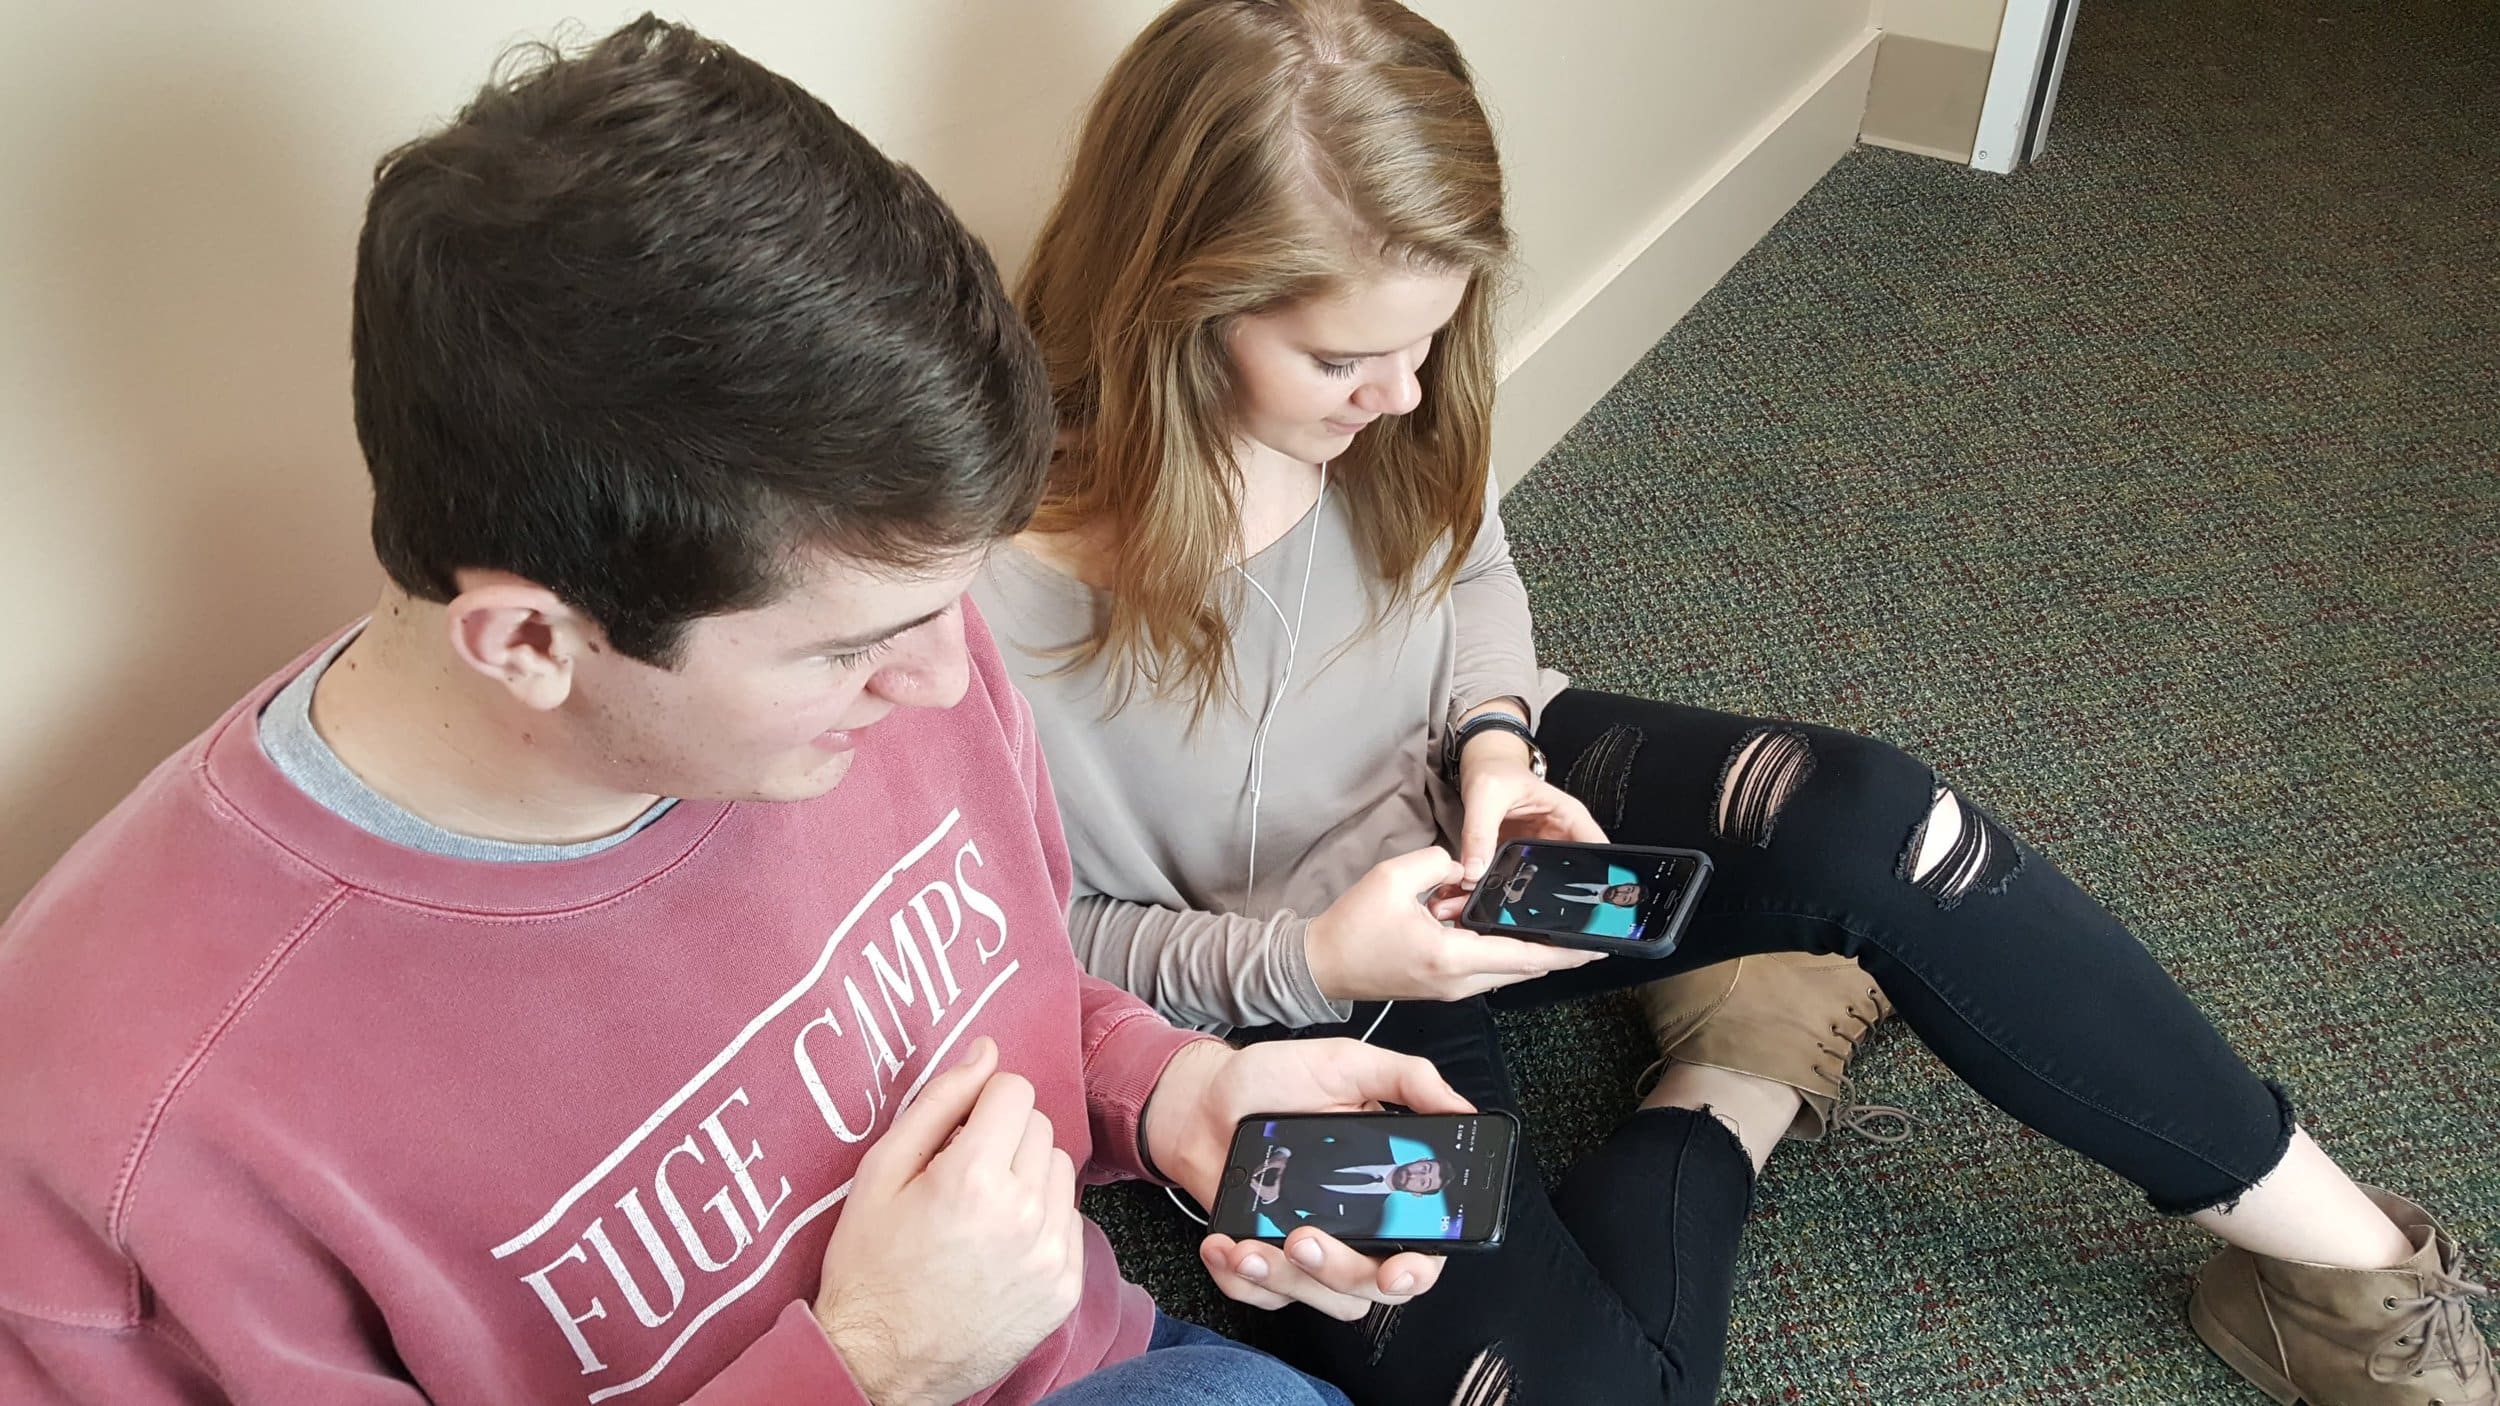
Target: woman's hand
<point>1382,941</point>
<point>1503,799</point>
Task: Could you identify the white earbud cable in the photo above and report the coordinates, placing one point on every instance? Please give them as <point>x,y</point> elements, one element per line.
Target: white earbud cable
<point>1258,742</point>
<point>1284,685</point>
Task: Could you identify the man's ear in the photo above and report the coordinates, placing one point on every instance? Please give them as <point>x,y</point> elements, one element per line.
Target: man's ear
<point>519,634</point>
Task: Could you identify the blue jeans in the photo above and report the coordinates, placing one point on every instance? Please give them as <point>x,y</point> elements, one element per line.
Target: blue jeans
<point>1186,1365</point>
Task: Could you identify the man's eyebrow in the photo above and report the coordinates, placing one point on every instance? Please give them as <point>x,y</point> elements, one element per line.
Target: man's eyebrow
<point>859,642</point>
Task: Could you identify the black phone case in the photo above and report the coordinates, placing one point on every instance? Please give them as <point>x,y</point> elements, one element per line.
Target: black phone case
<point>1235,1155</point>
<point>1653,947</point>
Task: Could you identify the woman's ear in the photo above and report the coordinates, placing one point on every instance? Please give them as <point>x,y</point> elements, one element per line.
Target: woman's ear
<point>519,634</point>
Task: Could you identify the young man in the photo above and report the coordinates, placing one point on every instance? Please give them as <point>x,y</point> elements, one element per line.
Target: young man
<point>631,964</point>
<point>1343,1185</point>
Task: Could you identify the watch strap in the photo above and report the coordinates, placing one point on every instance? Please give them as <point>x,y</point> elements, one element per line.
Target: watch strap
<point>1496,721</point>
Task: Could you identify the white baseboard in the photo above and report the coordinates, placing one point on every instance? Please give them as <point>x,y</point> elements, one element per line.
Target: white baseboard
<point>1555,370</point>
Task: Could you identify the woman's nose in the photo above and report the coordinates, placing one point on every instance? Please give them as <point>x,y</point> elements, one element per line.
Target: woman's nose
<point>1395,392</point>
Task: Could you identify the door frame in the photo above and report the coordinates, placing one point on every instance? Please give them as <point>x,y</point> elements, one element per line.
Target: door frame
<point>2022,83</point>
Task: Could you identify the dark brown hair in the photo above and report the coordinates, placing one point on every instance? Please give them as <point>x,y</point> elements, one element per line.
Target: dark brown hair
<point>646,323</point>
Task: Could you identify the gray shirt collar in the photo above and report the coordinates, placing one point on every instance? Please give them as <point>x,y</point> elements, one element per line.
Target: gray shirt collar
<point>298,751</point>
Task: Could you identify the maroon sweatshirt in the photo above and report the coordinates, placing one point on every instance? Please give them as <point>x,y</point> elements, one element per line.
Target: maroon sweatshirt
<point>289,1113</point>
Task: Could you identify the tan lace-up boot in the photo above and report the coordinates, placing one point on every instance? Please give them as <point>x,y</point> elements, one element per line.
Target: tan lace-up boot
<point>1791,1017</point>
<point>2314,1334</point>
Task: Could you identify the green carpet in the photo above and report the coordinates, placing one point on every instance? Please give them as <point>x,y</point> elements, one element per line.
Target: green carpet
<point>2154,496</point>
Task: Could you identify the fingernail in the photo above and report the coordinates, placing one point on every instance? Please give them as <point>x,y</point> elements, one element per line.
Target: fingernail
<point>1306,1255</point>
<point>1253,1267</point>
<point>1404,1283</point>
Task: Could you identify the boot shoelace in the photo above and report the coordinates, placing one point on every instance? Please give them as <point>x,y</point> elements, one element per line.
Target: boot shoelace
<point>1876,1122</point>
<point>2437,1331</point>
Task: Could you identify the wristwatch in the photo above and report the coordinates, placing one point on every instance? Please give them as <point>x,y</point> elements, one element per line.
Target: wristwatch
<point>1490,722</point>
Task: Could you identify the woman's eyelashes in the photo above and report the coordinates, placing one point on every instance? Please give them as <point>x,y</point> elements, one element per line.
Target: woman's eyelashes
<point>1347,367</point>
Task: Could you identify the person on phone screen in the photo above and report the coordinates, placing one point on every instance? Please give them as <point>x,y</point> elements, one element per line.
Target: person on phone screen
<point>1347,1183</point>
<point>1607,907</point>
<point>1624,895</point>
<point>1613,906</point>
<point>1420,1177</point>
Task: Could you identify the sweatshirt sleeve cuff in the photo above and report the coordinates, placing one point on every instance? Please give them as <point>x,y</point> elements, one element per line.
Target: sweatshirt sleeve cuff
<point>1122,1068</point>
<point>793,1362</point>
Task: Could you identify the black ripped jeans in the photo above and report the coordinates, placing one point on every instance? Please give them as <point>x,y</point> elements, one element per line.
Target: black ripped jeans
<point>1616,1287</point>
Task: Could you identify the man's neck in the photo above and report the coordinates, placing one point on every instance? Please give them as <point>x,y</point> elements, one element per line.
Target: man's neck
<point>450,747</point>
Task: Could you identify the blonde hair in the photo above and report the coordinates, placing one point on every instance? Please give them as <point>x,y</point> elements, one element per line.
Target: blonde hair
<point>1245,155</point>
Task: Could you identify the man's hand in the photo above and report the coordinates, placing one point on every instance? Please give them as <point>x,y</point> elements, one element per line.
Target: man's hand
<point>961,1248</point>
<point>1209,1087</point>
<point>1503,799</point>
<point>1380,942</point>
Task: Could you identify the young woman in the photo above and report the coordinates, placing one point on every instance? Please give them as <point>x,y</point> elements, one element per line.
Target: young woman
<point>1280,654</point>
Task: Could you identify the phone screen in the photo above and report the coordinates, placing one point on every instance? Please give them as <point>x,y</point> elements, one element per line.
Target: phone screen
<point>1409,1177</point>
<point>1588,891</point>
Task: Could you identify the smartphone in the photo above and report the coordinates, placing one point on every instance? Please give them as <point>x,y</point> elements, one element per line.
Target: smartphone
<point>1380,1182</point>
<point>1626,899</point>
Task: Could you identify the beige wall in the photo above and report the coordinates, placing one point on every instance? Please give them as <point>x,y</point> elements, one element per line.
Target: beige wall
<point>1971,24</point>
<point>181,506</point>
<point>1611,111</point>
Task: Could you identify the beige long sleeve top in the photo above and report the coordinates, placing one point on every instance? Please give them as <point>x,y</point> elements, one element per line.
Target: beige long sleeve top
<point>1160,817</point>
